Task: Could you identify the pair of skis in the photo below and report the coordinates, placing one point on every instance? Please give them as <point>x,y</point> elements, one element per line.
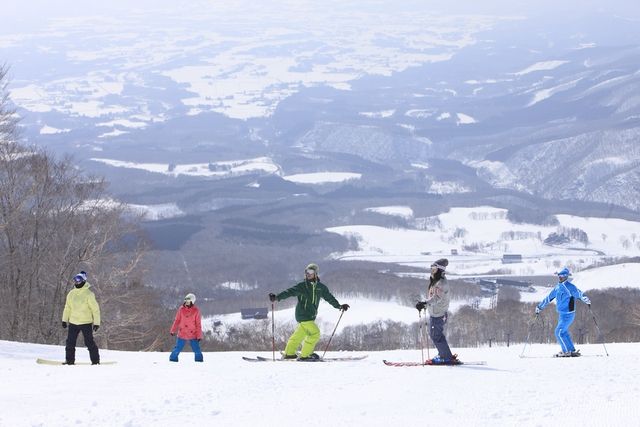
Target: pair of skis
<point>561,357</point>
<point>356,358</point>
<point>325,359</point>
<point>390,363</point>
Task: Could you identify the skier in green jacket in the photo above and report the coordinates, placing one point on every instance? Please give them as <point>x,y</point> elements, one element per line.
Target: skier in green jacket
<point>307,333</point>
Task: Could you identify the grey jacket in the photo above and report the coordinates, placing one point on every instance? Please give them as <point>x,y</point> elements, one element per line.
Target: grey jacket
<point>438,298</point>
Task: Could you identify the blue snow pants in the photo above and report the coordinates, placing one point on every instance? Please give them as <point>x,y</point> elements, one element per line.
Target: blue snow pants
<point>195,346</point>
<point>562,331</point>
<point>436,331</point>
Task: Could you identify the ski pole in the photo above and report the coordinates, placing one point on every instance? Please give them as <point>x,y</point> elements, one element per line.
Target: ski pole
<point>599,331</point>
<point>529,334</point>
<point>425,323</point>
<point>421,337</point>
<point>273,331</point>
<point>332,333</point>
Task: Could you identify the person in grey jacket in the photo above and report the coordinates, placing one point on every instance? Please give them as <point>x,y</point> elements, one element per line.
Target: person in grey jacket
<point>437,304</point>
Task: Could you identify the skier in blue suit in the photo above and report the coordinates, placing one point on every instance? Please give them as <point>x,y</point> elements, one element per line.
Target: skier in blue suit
<point>565,293</point>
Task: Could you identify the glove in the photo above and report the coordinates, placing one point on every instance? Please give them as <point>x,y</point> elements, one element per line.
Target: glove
<point>95,328</point>
<point>421,305</point>
<point>64,324</point>
<point>272,297</point>
<point>173,334</point>
<point>538,310</point>
<point>199,339</point>
<point>344,307</point>
<point>586,300</point>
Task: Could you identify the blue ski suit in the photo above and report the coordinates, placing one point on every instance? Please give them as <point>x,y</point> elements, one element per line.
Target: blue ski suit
<point>565,293</point>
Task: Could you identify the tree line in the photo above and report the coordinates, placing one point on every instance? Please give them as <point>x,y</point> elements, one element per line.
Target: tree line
<point>510,322</point>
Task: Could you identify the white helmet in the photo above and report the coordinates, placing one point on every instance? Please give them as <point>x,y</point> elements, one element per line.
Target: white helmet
<point>190,298</point>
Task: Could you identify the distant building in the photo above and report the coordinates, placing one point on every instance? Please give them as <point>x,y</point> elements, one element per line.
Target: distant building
<point>454,252</point>
<point>511,258</point>
<point>488,285</point>
<point>254,313</point>
<point>511,282</point>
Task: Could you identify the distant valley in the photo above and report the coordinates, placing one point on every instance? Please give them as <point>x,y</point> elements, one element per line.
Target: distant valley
<point>253,153</point>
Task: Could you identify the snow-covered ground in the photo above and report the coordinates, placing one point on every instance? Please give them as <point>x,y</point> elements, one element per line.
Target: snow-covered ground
<point>145,389</point>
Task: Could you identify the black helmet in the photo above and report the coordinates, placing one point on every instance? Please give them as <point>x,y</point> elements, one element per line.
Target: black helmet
<point>80,277</point>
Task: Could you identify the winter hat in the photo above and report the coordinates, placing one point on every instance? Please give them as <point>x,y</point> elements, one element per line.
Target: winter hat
<point>565,273</point>
<point>190,298</point>
<point>441,264</point>
<point>313,267</point>
<point>80,277</point>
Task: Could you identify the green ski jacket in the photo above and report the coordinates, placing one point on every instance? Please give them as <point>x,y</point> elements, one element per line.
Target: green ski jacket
<point>309,294</point>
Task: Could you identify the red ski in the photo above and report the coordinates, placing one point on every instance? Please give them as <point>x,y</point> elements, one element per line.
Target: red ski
<point>390,363</point>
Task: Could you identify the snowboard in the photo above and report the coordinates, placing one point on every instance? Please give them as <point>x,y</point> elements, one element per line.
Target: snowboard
<point>326,359</point>
<point>61,362</point>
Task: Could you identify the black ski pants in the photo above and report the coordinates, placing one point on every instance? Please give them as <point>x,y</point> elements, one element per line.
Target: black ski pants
<point>72,338</point>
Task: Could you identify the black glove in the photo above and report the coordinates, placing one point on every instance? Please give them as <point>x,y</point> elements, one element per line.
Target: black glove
<point>199,339</point>
<point>421,305</point>
<point>64,324</point>
<point>344,307</point>
<point>272,297</point>
<point>172,333</point>
<point>95,328</point>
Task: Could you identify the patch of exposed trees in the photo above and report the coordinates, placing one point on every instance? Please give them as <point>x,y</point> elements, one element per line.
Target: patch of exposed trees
<point>566,235</point>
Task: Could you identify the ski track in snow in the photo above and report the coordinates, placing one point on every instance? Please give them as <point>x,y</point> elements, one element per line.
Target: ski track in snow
<point>145,389</point>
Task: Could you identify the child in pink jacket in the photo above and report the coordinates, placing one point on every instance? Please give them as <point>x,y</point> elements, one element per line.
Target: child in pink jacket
<point>188,327</point>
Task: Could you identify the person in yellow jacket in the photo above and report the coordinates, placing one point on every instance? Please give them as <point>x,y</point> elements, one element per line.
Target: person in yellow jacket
<point>81,314</point>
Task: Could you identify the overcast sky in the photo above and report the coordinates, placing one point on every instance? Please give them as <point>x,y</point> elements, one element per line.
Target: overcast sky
<point>16,12</point>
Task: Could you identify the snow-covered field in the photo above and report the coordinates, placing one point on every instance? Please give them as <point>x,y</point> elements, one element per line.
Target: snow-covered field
<point>145,389</point>
<point>488,230</point>
<point>322,177</point>
<point>243,68</point>
<point>210,169</point>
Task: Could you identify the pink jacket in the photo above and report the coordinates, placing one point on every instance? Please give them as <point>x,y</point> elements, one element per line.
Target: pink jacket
<point>187,324</point>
